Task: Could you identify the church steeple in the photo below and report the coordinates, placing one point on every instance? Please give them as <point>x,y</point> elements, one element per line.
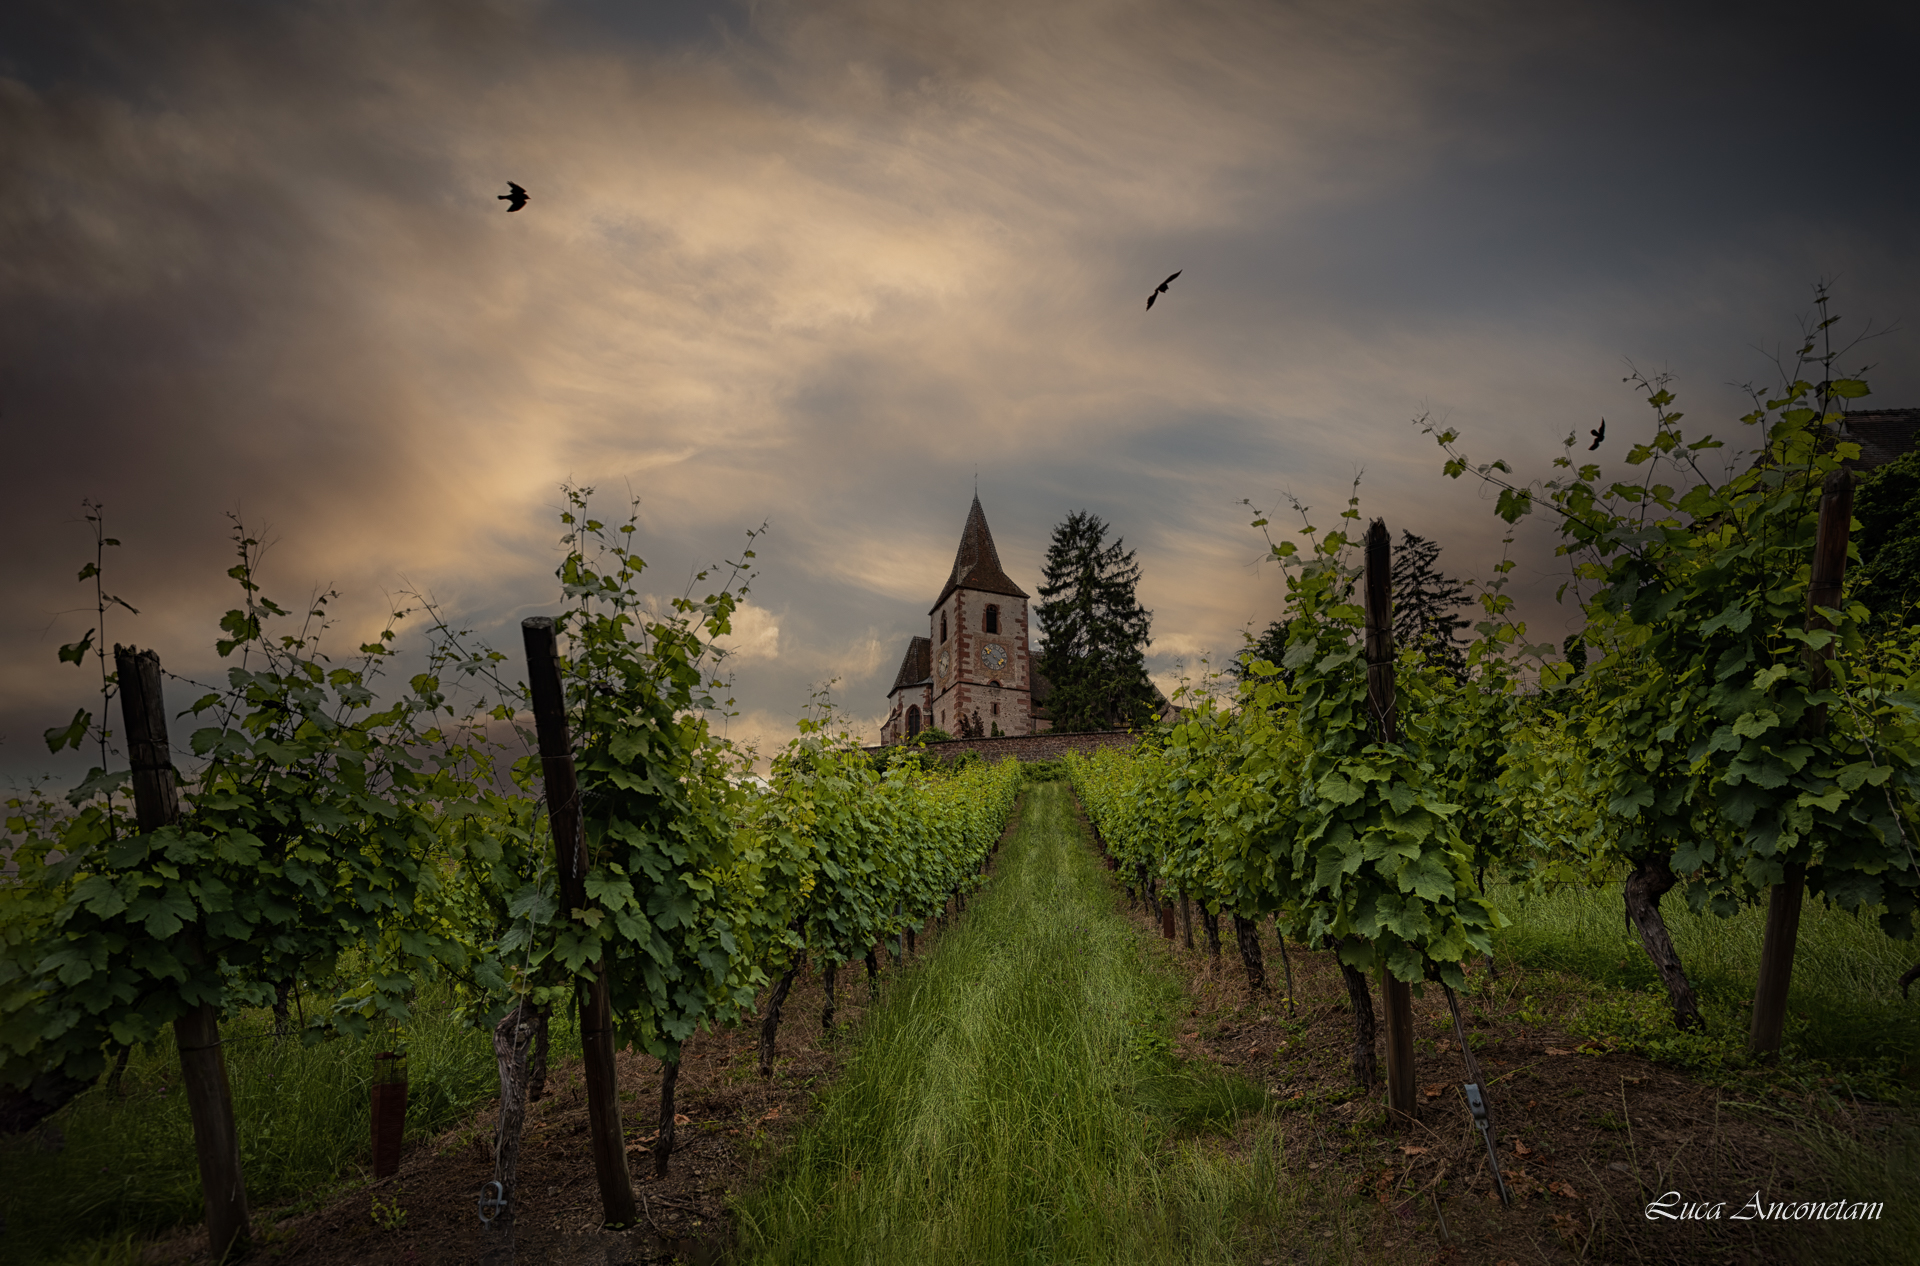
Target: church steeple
<point>972,674</point>
<point>976,564</point>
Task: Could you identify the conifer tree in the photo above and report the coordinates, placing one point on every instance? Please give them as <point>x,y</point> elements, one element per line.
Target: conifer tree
<point>1425,603</point>
<point>1095,630</point>
<point>1270,646</point>
<point>1888,507</point>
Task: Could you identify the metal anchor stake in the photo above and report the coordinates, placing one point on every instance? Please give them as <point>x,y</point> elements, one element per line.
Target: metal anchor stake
<point>1477,1098</point>
<point>492,1202</point>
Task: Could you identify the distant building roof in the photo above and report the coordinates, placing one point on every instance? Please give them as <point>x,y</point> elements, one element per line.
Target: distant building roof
<point>1882,434</point>
<point>977,563</point>
<point>917,668</point>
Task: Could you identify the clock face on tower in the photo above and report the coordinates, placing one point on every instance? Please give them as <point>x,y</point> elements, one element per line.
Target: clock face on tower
<point>994,657</point>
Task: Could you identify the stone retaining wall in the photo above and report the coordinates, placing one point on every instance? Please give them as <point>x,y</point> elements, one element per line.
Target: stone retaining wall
<point>1029,747</point>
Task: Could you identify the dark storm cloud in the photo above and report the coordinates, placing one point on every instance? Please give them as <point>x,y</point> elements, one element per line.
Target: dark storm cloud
<point>824,262</point>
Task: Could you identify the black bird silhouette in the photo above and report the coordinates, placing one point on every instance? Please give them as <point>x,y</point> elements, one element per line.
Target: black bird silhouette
<point>1598,435</point>
<point>516,199</point>
<point>1160,290</point>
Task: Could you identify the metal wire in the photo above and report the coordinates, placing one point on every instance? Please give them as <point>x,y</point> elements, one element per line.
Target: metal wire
<point>1477,1097</point>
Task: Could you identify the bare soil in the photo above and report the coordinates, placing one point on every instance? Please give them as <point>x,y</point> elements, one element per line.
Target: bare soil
<point>1587,1136</point>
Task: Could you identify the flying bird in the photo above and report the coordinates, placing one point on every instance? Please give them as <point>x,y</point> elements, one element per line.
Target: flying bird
<point>1598,435</point>
<point>1160,290</point>
<point>516,199</point>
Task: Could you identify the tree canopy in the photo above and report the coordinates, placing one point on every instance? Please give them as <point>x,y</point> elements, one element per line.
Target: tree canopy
<point>1888,507</point>
<point>1426,603</point>
<point>1425,607</point>
<point>1095,630</point>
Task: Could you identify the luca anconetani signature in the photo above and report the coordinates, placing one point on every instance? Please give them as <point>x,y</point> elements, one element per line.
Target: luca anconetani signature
<point>1673,1207</point>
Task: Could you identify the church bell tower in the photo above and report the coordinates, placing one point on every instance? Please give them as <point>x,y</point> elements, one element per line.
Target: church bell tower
<point>972,674</point>
<point>981,670</point>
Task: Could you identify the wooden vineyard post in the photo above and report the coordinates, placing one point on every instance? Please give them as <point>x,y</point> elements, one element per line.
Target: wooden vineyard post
<point>1396,996</point>
<point>1783,903</point>
<point>388,1096</point>
<point>570,852</point>
<point>203,1064</point>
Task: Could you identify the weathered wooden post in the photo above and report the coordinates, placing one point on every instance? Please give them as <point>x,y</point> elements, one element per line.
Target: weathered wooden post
<point>1783,903</point>
<point>388,1098</point>
<point>1396,995</point>
<point>570,852</point>
<point>203,1064</point>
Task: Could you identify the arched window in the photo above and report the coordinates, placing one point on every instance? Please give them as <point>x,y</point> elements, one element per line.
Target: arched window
<point>992,622</point>
<point>943,628</point>
<point>913,720</point>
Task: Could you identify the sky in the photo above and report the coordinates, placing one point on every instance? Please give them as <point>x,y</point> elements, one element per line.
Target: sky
<point>832,265</point>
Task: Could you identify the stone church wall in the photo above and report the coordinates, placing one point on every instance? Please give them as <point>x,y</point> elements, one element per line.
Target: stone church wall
<point>1029,747</point>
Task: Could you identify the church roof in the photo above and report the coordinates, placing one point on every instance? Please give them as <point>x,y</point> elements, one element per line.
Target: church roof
<point>1038,696</point>
<point>1882,434</point>
<point>977,563</point>
<point>917,668</point>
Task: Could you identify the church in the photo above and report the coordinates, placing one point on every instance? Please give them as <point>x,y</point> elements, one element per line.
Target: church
<point>973,674</point>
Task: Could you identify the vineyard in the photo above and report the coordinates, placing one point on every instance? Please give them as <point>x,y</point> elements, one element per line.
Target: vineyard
<point>339,861</point>
<point>552,848</point>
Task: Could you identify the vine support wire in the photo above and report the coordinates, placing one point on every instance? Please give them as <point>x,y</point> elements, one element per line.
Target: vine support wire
<point>1476,1091</point>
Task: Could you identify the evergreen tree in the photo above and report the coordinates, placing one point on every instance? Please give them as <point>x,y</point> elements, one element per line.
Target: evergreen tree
<point>1270,646</point>
<point>1425,602</point>
<point>1095,630</point>
<point>1424,606</point>
<point>1888,507</point>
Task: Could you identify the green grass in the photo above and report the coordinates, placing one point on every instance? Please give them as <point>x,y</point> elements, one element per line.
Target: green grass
<point>1012,1099</point>
<point>123,1166</point>
<point>1844,1007</point>
<point>1880,1168</point>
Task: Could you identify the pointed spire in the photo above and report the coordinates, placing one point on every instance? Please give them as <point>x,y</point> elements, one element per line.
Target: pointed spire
<point>976,565</point>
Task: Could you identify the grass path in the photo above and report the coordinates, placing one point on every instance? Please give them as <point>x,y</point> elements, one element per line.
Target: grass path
<point>1012,1100</point>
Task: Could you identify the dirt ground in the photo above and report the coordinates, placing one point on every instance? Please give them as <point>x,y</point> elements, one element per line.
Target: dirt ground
<point>731,1124</point>
<point>1586,1137</point>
